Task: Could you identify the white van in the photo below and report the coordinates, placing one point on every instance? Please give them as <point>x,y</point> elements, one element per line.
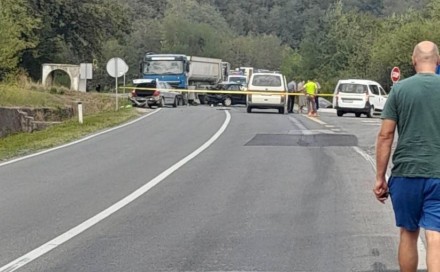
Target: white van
<point>359,96</point>
<point>273,88</point>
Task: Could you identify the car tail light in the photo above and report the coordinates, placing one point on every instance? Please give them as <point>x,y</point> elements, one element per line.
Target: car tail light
<point>156,93</point>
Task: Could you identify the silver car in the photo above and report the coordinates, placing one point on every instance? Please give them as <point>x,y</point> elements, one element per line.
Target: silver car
<point>152,92</point>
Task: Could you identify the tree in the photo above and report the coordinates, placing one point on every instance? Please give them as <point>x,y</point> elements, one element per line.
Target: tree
<point>79,27</point>
<point>16,33</point>
<point>194,29</point>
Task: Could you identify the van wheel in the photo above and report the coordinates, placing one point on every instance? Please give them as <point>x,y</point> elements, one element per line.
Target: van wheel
<point>339,113</point>
<point>249,109</point>
<point>357,114</point>
<point>281,110</point>
<point>371,112</point>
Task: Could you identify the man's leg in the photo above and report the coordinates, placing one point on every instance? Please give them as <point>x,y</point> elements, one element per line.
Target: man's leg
<point>290,103</point>
<point>433,250</point>
<point>317,102</point>
<point>408,256</point>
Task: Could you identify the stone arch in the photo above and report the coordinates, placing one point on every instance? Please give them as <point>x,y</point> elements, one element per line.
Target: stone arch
<point>73,71</point>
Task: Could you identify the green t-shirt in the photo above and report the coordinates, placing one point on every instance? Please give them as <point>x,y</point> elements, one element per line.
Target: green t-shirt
<point>414,103</point>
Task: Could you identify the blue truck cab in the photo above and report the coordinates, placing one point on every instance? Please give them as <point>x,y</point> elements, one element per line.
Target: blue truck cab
<point>171,68</point>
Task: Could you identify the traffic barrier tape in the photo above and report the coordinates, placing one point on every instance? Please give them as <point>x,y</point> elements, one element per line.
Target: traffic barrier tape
<point>225,92</point>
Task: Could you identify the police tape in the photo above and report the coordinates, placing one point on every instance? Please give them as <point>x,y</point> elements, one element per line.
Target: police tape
<point>207,91</point>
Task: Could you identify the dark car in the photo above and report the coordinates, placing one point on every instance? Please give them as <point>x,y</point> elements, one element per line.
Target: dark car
<point>233,95</point>
<point>324,103</point>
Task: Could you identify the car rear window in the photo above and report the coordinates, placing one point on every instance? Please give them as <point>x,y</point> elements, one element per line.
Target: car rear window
<point>352,88</point>
<point>266,80</point>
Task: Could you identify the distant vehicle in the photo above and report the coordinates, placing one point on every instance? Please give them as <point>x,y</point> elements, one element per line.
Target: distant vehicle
<point>324,103</point>
<point>184,72</point>
<point>238,78</point>
<point>152,92</point>
<point>227,99</point>
<point>273,88</point>
<point>359,96</point>
<point>247,71</point>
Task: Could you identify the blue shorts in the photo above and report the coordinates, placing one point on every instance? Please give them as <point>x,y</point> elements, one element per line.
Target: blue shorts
<point>416,202</point>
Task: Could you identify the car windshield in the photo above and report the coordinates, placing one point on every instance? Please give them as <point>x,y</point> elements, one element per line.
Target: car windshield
<point>353,88</point>
<point>266,80</point>
<point>237,79</point>
<point>163,67</point>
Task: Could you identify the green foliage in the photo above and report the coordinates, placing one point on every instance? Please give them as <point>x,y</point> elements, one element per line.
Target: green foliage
<point>322,39</point>
<point>194,29</point>
<point>255,51</point>
<point>25,143</point>
<point>16,33</point>
<point>74,31</point>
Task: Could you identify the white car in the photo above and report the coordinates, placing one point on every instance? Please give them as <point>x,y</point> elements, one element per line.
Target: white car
<point>273,89</point>
<point>152,92</point>
<point>359,96</point>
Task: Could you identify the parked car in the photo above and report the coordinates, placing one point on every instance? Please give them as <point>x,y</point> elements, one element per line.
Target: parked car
<point>324,103</point>
<point>152,92</point>
<point>273,88</point>
<point>227,99</point>
<point>359,96</point>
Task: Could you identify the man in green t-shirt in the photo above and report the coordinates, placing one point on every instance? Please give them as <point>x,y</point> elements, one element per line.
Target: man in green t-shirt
<point>413,107</point>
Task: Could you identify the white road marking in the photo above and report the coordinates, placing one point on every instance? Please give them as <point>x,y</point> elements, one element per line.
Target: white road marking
<point>315,119</point>
<point>38,252</point>
<point>298,124</point>
<point>78,141</point>
<point>420,245</point>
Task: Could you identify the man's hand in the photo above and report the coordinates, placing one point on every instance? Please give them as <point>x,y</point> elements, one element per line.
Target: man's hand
<point>380,189</point>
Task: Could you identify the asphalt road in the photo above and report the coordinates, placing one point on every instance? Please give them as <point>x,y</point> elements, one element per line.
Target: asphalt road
<point>201,189</point>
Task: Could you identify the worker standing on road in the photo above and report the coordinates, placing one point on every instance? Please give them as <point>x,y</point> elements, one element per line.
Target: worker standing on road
<point>310,90</point>
<point>414,185</point>
<point>291,88</point>
<point>318,87</point>
<point>301,96</point>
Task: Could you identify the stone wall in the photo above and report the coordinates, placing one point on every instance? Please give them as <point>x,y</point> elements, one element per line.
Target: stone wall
<point>14,119</point>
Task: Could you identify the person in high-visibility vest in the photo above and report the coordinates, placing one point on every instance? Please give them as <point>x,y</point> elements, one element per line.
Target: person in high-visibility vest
<point>310,89</point>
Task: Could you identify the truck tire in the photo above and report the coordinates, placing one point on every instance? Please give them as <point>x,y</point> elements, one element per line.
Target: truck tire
<point>281,110</point>
<point>249,109</point>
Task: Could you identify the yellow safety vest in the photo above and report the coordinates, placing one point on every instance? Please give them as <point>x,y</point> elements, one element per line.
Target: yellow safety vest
<point>310,88</point>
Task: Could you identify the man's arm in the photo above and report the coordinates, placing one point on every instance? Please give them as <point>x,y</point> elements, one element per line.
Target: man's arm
<point>384,144</point>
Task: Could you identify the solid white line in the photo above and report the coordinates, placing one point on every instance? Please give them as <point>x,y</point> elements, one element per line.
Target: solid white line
<point>38,252</point>
<point>78,141</point>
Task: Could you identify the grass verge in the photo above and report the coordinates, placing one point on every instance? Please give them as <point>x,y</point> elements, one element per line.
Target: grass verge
<point>26,143</point>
